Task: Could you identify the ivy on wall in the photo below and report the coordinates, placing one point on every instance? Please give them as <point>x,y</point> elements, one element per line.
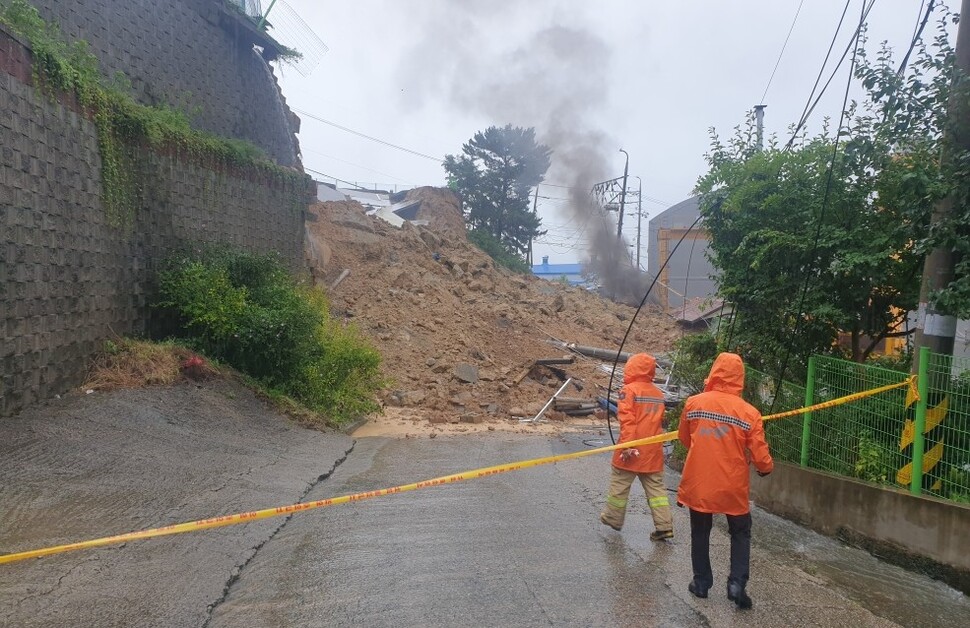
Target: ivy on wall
<point>125,126</point>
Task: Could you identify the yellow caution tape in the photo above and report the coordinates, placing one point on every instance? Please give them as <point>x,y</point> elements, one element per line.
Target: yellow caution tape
<point>246,517</point>
<point>910,381</point>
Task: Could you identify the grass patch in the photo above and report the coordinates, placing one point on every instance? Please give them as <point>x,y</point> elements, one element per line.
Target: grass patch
<point>130,363</point>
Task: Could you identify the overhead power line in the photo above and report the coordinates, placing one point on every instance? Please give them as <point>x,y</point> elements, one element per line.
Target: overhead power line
<point>799,311</point>
<point>365,136</point>
<point>782,53</point>
<point>652,199</point>
<point>811,104</point>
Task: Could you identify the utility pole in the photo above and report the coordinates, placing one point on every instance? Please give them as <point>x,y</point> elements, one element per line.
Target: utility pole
<point>934,329</point>
<point>535,205</point>
<point>639,216</point>
<point>759,117</point>
<point>626,170</point>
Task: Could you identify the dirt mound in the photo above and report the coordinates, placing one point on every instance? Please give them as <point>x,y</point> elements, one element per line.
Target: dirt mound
<point>460,335</point>
<point>441,209</point>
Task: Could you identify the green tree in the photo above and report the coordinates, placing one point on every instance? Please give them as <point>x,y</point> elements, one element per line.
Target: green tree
<point>494,176</point>
<point>854,238</point>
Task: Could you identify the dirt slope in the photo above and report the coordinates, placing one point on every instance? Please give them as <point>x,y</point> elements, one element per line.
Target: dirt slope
<point>439,310</point>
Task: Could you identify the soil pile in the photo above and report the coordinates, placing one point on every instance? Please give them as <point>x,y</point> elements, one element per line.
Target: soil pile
<point>460,335</point>
<point>441,210</point>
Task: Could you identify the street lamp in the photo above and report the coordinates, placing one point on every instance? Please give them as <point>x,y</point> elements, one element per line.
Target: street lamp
<point>626,169</point>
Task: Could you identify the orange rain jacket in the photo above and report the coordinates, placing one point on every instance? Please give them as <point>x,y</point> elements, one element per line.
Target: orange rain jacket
<point>640,412</point>
<point>721,431</point>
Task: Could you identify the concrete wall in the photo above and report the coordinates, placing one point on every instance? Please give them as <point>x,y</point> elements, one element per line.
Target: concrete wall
<point>68,279</point>
<point>190,54</point>
<point>923,533</point>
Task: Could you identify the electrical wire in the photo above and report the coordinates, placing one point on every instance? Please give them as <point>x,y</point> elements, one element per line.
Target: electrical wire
<point>353,184</point>
<point>917,35</point>
<point>810,104</point>
<point>782,53</point>
<point>633,319</point>
<point>652,199</point>
<point>922,20</point>
<point>822,210</point>
<point>365,136</point>
<point>350,163</point>
<point>845,54</point>
<point>809,108</point>
<point>821,71</point>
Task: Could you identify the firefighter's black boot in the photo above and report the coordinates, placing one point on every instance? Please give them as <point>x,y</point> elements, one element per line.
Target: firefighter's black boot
<point>737,594</point>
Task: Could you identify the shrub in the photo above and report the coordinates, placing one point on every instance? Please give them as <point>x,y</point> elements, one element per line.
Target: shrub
<point>693,356</point>
<point>491,245</point>
<point>247,311</point>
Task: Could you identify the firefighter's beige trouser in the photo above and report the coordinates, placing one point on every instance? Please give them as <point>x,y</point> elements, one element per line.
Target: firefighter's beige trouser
<point>619,493</point>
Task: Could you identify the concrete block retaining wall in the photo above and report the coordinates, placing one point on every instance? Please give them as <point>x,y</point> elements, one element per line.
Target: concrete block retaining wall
<point>68,279</point>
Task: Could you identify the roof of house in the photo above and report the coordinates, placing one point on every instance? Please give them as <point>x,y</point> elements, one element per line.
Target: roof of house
<point>557,269</point>
<point>328,193</point>
<point>697,309</point>
<point>681,215</point>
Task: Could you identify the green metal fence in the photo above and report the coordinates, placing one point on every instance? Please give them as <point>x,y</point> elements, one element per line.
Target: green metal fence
<point>858,439</point>
<point>943,421</point>
<point>784,435</point>
<point>896,438</point>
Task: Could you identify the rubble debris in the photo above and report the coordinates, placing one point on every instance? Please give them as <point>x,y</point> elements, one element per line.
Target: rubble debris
<point>343,275</point>
<point>411,295</point>
<point>602,354</point>
<point>550,361</point>
<point>467,373</point>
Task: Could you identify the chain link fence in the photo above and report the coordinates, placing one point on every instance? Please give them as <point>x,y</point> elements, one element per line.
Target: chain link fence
<point>945,428</point>
<point>859,439</point>
<point>784,435</point>
<point>917,442</point>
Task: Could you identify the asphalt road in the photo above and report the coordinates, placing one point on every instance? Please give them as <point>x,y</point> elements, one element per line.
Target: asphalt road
<point>519,549</point>
<point>527,549</point>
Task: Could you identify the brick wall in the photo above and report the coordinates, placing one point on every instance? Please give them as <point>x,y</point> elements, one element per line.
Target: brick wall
<point>67,278</point>
<point>190,54</point>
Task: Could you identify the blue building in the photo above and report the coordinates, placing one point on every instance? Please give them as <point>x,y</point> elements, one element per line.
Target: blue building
<point>573,273</point>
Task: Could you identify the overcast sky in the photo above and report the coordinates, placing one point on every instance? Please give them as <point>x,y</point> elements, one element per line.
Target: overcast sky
<point>646,76</point>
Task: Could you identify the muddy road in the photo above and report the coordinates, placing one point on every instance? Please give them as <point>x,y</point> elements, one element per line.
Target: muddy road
<point>522,549</point>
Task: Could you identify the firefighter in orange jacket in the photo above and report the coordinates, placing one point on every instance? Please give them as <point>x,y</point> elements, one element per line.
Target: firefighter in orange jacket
<point>721,432</point>
<point>640,411</point>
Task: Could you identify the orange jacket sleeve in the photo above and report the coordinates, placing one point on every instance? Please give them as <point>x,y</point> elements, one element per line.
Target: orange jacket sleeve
<point>758,447</point>
<point>683,428</point>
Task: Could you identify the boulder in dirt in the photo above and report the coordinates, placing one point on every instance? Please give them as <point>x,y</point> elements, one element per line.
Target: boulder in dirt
<point>467,373</point>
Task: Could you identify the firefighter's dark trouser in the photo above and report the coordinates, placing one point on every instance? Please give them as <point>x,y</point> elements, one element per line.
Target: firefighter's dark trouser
<point>739,527</point>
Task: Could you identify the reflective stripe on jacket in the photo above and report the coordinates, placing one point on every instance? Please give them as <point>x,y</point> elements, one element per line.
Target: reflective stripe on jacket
<point>640,412</point>
<point>721,431</point>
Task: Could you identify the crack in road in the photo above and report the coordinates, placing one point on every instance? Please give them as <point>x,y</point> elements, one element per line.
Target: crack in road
<point>234,577</point>
<point>56,585</point>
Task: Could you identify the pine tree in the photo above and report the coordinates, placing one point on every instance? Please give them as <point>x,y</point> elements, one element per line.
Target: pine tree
<point>494,176</point>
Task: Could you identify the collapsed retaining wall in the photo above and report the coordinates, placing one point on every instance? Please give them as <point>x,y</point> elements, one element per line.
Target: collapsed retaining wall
<point>921,533</point>
<point>68,278</point>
